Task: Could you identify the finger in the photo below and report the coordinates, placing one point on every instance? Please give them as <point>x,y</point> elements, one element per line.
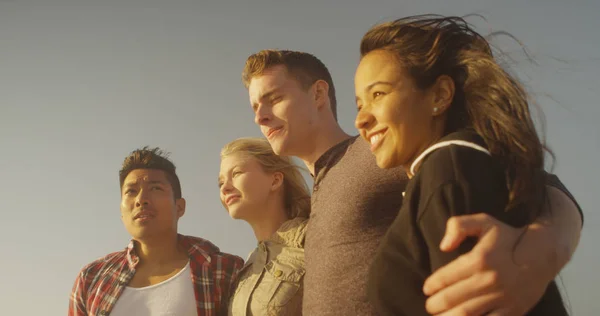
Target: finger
<point>461,292</point>
<point>481,305</point>
<point>458,228</point>
<point>455,271</point>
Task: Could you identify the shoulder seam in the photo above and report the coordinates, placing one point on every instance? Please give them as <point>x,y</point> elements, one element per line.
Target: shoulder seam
<point>442,144</point>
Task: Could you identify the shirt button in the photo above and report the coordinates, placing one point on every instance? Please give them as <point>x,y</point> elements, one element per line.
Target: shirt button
<point>278,273</point>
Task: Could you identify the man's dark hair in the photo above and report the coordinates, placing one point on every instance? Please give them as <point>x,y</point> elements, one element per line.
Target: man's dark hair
<point>151,158</point>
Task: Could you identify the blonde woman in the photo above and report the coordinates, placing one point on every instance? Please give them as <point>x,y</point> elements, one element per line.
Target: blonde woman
<point>268,192</point>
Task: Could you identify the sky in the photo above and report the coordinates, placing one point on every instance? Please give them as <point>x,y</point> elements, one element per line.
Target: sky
<point>83,83</point>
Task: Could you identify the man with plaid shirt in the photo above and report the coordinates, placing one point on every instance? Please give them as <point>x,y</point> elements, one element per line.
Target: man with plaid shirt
<point>161,272</point>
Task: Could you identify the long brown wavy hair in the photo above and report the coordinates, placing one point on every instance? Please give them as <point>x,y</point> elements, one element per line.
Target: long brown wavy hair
<point>487,98</point>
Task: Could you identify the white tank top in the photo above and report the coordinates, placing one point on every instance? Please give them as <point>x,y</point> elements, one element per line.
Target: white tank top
<point>171,297</point>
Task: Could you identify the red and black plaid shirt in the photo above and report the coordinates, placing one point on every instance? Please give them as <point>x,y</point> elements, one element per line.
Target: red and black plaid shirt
<point>100,283</point>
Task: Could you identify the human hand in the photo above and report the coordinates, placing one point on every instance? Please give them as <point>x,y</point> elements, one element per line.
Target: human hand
<point>494,278</point>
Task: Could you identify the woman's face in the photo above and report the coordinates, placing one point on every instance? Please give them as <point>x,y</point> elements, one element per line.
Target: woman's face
<point>394,116</point>
<point>244,186</point>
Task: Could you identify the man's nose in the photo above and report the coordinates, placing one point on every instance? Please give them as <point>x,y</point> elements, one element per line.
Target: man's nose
<point>142,198</point>
<point>262,115</point>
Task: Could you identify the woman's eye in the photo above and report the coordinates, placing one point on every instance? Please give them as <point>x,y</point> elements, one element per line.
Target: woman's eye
<point>377,94</point>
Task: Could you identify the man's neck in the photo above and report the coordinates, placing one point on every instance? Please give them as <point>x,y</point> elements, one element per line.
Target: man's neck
<point>159,250</point>
<point>327,137</point>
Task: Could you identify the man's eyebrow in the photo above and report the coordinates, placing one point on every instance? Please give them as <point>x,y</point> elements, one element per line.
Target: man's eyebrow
<point>156,182</point>
<point>130,184</point>
<point>269,94</point>
<point>135,183</point>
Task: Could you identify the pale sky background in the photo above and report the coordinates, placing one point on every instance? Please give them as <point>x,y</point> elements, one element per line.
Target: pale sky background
<point>83,83</point>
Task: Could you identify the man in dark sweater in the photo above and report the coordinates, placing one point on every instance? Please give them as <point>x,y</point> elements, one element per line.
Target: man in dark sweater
<point>354,202</point>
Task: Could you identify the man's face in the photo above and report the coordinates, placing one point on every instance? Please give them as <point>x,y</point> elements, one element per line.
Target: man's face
<point>148,206</point>
<point>285,112</point>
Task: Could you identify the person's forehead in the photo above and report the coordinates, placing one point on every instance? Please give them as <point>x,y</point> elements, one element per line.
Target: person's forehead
<point>271,79</point>
<point>145,175</point>
<point>375,68</point>
<point>376,62</point>
<point>235,159</point>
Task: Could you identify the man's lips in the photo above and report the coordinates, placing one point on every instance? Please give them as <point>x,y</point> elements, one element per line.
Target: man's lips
<point>272,131</point>
<point>144,215</point>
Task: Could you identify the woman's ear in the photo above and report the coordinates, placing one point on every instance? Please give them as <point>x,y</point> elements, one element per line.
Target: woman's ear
<point>442,95</point>
<point>277,181</point>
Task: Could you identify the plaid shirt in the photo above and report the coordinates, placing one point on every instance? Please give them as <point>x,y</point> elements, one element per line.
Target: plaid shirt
<point>100,283</point>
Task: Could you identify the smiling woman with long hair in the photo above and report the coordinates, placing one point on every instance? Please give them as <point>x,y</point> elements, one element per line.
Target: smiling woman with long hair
<point>432,98</point>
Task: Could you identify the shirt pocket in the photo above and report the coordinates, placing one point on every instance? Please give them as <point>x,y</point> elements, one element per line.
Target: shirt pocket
<point>281,281</point>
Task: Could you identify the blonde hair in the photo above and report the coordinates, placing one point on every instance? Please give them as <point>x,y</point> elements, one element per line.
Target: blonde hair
<point>296,196</point>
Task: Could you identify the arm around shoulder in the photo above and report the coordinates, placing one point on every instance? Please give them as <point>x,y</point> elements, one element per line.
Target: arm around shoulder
<point>543,249</point>
<point>556,232</point>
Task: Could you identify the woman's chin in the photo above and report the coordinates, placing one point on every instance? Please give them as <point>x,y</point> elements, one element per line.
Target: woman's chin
<point>235,213</point>
<point>385,161</point>
<point>242,213</point>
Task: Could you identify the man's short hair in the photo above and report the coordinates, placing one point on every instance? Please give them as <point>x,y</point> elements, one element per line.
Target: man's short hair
<point>151,158</point>
<point>306,68</point>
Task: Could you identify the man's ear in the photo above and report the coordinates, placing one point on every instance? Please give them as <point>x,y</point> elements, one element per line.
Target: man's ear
<point>321,93</point>
<point>180,205</point>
